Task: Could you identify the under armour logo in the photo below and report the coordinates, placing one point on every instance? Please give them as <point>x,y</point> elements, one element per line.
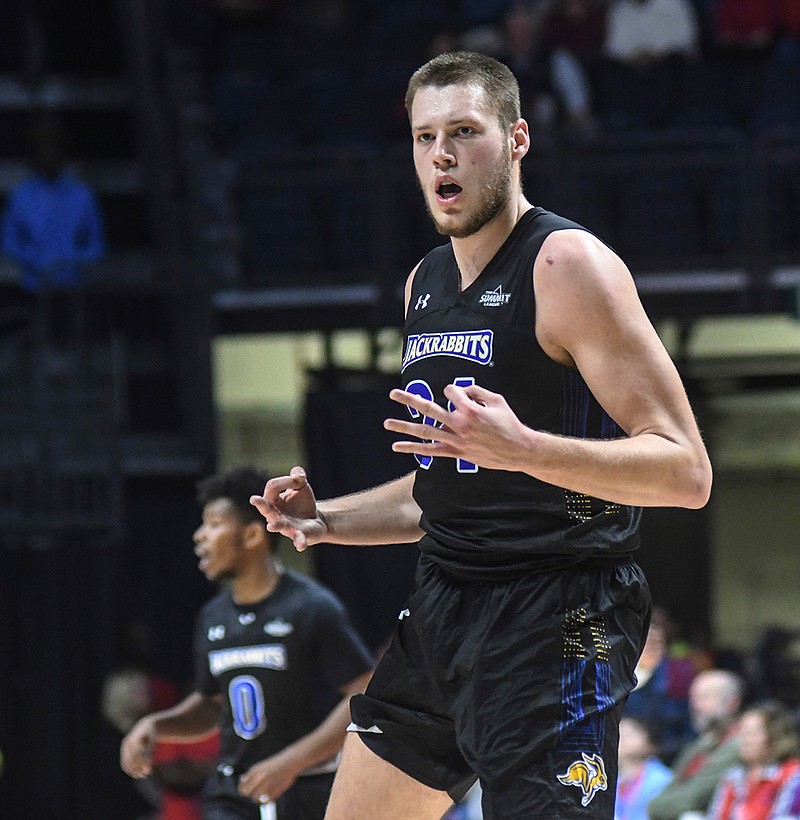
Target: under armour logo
<point>422,302</point>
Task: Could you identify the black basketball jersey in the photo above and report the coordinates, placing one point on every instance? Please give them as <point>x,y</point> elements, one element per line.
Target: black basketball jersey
<point>278,664</point>
<point>493,522</point>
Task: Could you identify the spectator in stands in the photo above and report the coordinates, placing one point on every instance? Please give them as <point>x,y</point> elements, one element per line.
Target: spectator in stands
<point>642,775</point>
<point>52,231</point>
<point>742,38</point>
<point>52,226</point>
<point>573,32</point>
<point>642,32</point>
<point>514,39</point>
<point>648,46</point>
<point>715,701</point>
<point>661,696</point>
<point>744,25</point>
<point>766,784</point>
<point>521,50</point>
<point>554,88</point>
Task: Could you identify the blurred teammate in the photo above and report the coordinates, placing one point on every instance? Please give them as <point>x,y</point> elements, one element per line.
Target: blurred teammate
<point>276,663</point>
<point>544,412</point>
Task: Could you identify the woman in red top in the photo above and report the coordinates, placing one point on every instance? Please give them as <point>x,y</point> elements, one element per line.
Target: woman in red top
<point>766,784</point>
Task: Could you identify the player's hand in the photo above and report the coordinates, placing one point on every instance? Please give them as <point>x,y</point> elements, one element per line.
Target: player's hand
<point>136,749</point>
<point>481,428</point>
<point>267,780</point>
<point>289,506</point>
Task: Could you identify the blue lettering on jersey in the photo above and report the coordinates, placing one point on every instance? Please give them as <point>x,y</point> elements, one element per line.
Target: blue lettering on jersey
<point>473,345</point>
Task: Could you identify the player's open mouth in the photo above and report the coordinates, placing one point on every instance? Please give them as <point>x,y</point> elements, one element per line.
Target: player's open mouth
<point>447,191</point>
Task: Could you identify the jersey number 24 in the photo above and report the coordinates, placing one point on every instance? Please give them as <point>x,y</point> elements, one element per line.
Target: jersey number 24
<point>422,389</point>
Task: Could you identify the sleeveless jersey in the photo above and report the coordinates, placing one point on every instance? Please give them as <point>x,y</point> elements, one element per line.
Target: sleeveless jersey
<point>495,523</point>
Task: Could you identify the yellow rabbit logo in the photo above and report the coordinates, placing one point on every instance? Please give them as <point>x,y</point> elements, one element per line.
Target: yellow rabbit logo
<point>588,774</point>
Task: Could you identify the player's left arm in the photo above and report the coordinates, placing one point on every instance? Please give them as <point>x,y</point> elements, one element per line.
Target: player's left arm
<point>589,316</point>
<point>274,775</point>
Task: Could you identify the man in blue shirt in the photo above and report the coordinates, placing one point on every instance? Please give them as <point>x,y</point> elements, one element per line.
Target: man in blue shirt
<point>52,226</point>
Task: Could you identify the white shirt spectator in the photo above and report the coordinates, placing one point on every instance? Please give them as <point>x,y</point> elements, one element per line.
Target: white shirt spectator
<point>652,29</point>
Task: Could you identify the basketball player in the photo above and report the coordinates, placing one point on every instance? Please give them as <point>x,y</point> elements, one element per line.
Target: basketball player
<point>276,663</point>
<point>545,413</point>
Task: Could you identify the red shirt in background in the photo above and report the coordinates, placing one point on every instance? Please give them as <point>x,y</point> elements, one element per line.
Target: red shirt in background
<point>180,804</point>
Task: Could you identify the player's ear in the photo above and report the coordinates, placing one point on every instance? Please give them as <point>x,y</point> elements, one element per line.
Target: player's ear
<point>255,535</point>
<point>520,139</point>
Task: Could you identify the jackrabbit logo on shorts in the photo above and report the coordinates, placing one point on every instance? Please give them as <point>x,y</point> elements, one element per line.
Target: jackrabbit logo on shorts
<point>587,774</point>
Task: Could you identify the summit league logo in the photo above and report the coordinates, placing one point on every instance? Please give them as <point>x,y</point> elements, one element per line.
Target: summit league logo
<point>494,298</point>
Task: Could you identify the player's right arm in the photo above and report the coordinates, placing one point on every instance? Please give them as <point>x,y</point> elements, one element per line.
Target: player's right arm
<point>194,717</point>
<point>386,514</point>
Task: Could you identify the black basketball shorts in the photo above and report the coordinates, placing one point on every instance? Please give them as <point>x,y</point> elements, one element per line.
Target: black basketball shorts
<point>519,683</point>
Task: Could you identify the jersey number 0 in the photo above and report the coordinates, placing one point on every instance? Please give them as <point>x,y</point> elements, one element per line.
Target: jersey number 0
<point>247,706</point>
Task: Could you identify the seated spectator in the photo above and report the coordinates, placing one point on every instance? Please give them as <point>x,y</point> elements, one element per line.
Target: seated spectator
<point>743,33</point>
<point>554,88</point>
<point>661,696</point>
<point>642,32</point>
<point>746,25</point>
<point>52,226</point>
<point>642,775</point>
<point>52,230</point>
<point>573,32</point>
<point>715,701</point>
<point>648,46</point>
<point>522,51</point>
<point>766,784</point>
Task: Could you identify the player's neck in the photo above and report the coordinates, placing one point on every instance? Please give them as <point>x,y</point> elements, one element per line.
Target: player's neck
<point>473,253</point>
<point>257,582</point>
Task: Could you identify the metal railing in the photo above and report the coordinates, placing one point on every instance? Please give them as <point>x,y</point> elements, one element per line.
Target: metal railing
<point>707,220</point>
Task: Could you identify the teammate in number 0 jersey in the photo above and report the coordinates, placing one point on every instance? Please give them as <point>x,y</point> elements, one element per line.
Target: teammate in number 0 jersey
<point>276,663</point>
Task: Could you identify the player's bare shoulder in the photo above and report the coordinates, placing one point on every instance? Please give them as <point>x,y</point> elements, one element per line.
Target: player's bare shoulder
<point>580,284</point>
<point>574,256</point>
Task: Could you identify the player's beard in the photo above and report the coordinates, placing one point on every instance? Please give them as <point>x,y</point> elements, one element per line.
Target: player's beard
<point>496,193</point>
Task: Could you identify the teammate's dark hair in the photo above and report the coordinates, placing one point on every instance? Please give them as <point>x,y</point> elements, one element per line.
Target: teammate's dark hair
<point>457,67</point>
<point>237,485</point>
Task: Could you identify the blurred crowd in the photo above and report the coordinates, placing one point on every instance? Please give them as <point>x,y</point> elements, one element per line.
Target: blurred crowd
<point>711,734</point>
<point>336,70</point>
